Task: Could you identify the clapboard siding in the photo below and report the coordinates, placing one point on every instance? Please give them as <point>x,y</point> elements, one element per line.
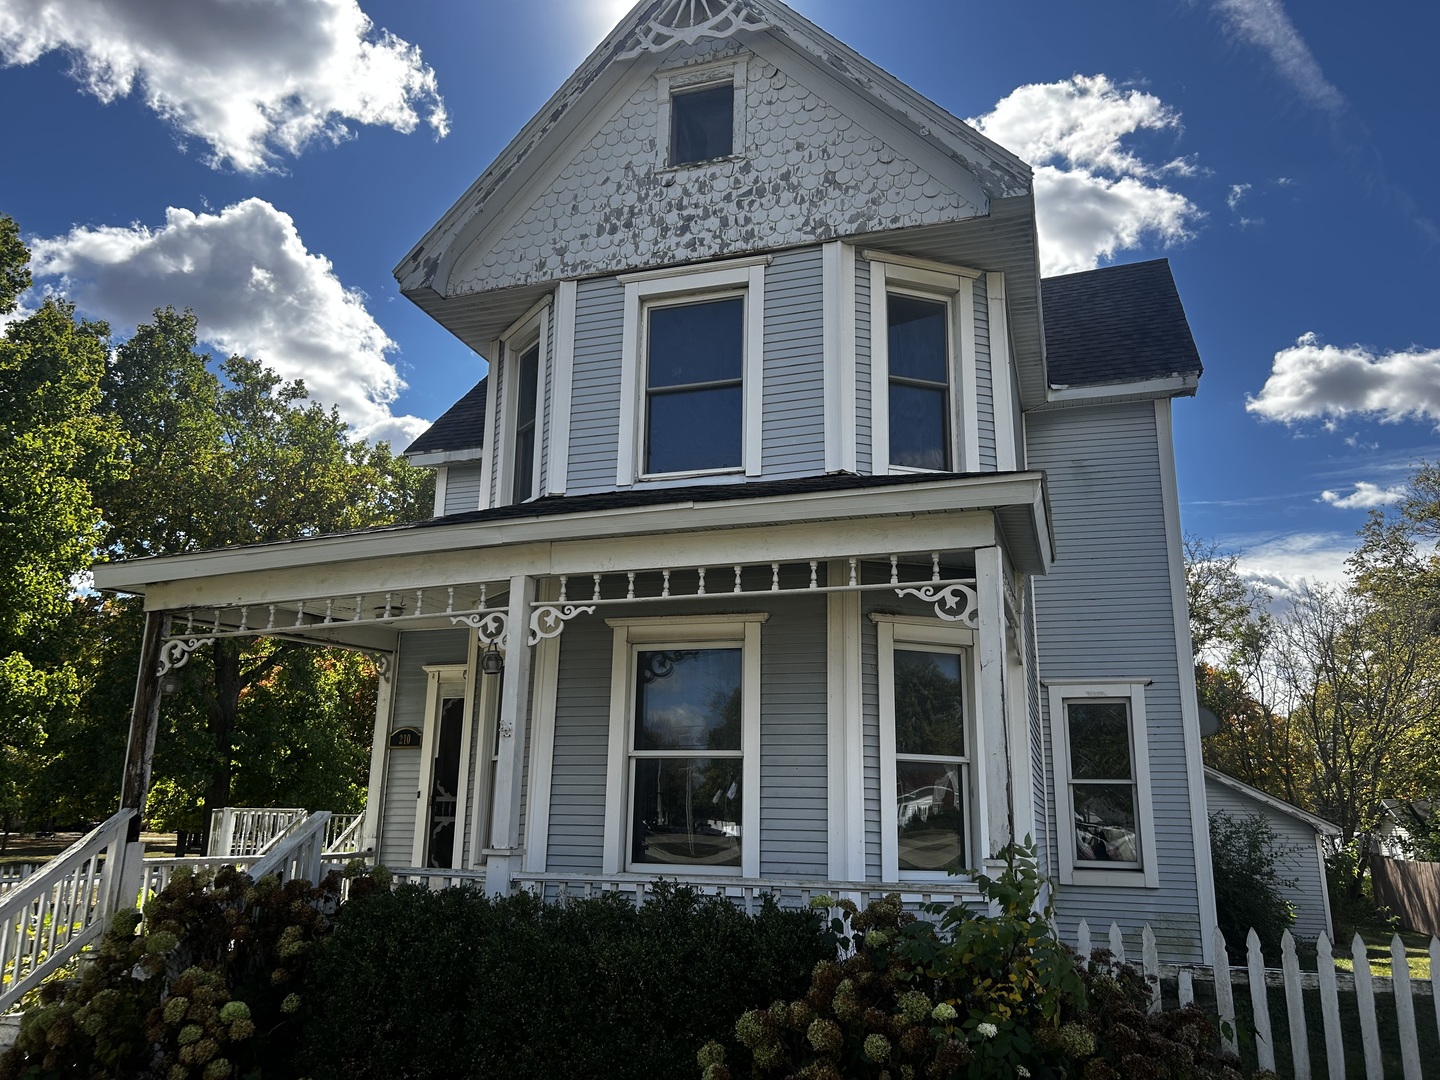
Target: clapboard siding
<point>462,488</point>
<point>984,390</point>
<point>793,439</point>
<point>793,780</point>
<point>1298,859</point>
<point>402,767</point>
<point>1104,611</point>
<point>595,396</point>
<point>1040,792</point>
<point>863,457</point>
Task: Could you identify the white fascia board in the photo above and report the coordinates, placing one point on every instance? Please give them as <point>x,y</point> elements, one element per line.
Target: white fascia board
<point>1142,390</point>
<point>944,496</point>
<point>436,458</point>
<point>1319,824</point>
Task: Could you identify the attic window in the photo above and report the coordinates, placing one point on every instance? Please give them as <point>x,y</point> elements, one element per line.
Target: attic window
<point>702,124</point>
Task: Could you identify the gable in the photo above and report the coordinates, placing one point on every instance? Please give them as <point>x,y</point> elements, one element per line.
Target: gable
<point>802,171</point>
<point>525,220</point>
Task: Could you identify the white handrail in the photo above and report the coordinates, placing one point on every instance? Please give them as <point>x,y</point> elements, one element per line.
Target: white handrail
<point>54,913</point>
<point>298,852</point>
<point>347,840</point>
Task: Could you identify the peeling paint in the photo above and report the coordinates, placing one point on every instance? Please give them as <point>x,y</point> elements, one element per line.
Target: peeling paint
<point>805,172</point>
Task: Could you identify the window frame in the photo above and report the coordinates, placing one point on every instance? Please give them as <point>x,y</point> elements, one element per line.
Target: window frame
<point>632,636</point>
<point>531,330</point>
<point>955,287</point>
<point>678,286</point>
<point>699,77</point>
<point>1075,871</point>
<point>924,635</point>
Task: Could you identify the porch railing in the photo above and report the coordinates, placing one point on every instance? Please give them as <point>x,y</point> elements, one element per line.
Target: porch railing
<point>344,834</point>
<point>242,831</point>
<point>14,874</point>
<point>298,852</point>
<point>50,916</point>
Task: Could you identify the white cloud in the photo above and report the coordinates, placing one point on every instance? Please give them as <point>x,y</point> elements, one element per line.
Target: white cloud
<point>1094,195</point>
<point>1311,381</point>
<point>1264,24</point>
<point>248,79</point>
<point>1237,192</point>
<point>1366,496</point>
<point>1282,564</point>
<point>255,290</point>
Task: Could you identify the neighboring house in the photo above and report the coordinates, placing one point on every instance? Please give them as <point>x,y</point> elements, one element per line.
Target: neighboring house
<point>820,541</point>
<point>1402,827</point>
<point>1300,844</point>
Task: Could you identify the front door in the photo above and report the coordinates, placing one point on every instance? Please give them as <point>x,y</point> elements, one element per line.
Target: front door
<point>440,802</point>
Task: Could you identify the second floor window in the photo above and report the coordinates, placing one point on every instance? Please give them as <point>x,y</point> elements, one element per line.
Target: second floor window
<point>702,124</point>
<point>527,370</point>
<point>694,402</point>
<point>919,404</point>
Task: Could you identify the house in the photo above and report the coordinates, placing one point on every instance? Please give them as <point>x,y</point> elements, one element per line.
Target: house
<point>800,536</point>
<point>1300,847</point>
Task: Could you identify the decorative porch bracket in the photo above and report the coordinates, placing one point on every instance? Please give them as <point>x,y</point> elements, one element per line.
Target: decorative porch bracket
<point>548,620</point>
<point>175,653</point>
<point>492,627</point>
<point>953,603</point>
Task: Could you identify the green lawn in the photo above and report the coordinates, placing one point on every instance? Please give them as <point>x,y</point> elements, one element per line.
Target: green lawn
<point>1377,937</point>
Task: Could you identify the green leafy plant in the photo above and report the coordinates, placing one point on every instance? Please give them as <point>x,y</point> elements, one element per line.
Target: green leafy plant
<point>1249,891</point>
<point>209,988</point>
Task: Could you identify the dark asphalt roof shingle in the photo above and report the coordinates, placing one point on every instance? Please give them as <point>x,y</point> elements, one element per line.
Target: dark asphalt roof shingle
<point>1117,324</point>
<point>462,427</point>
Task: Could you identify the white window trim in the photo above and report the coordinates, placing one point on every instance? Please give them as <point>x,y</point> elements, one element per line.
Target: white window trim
<point>530,329</point>
<point>955,286</point>
<point>675,285</point>
<point>892,631</point>
<point>699,77</point>
<point>439,679</point>
<point>684,631</point>
<point>1072,870</point>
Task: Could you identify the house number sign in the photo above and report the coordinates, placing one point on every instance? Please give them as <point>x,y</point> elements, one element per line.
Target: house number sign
<point>405,737</point>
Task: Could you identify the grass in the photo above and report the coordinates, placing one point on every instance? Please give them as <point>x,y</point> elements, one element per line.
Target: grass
<point>1377,935</point>
<point>38,849</point>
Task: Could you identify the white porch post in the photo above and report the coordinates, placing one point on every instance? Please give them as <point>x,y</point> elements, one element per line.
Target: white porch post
<point>504,853</point>
<point>990,644</point>
<point>379,759</point>
<point>845,746</point>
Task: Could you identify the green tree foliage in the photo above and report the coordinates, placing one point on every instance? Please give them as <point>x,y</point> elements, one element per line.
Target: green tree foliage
<point>1246,854</point>
<point>226,455</point>
<point>55,443</point>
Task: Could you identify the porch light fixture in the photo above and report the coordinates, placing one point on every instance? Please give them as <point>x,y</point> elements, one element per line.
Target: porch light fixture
<point>492,663</point>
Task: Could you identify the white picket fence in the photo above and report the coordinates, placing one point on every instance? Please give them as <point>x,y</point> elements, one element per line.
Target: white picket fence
<point>1331,984</point>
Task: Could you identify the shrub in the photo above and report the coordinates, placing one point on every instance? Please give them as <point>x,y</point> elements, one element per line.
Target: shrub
<point>456,984</point>
<point>206,990</point>
<point>1245,852</point>
<point>976,995</point>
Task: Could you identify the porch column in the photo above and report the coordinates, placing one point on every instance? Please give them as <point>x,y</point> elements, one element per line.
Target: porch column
<point>504,853</point>
<point>990,643</point>
<point>379,760</point>
<point>144,723</point>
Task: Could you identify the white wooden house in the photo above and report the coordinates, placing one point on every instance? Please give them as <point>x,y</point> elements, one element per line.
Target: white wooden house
<point>823,545</point>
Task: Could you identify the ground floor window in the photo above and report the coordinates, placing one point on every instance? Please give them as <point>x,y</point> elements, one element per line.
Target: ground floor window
<point>1105,831</point>
<point>682,784</point>
<point>926,736</point>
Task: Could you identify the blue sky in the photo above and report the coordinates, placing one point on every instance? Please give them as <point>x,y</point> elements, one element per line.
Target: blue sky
<point>266,162</point>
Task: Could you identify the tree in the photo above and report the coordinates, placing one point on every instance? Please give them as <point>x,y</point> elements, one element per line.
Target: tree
<point>53,444</point>
<point>238,456</point>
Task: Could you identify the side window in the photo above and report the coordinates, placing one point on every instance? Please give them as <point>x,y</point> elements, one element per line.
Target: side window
<point>527,392</point>
<point>682,784</point>
<point>694,377</point>
<point>1106,827</point>
<point>702,124</point>
<point>519,390</point>
<point>925,747</point>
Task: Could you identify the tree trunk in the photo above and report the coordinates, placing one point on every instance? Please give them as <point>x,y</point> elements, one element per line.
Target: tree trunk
<point>222,706</point>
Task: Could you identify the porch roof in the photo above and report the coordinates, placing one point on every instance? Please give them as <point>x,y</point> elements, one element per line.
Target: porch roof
<point>1018,500</point>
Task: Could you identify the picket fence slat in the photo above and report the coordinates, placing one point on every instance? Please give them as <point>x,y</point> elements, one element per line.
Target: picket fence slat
<point>1365,1000</point>
<point>1295,1008</point>
<point>1264,1038</point>
<point>1150,964</point>
<point>1185,987</point>
<point>1117,944</point>
<point>1330,1009</point>
<point>1405,1010</point>
<point>1224,999</point>
<point>1083,941</point>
